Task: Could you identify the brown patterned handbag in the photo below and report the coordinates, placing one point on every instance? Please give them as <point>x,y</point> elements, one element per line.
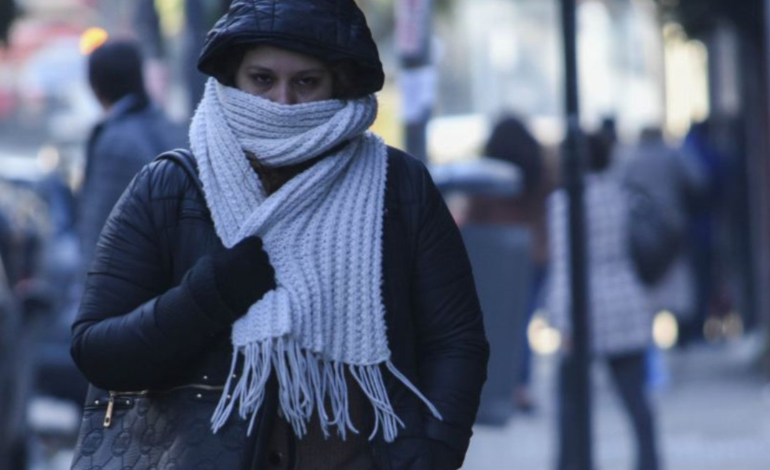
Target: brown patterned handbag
<point>169,430</point>
<point>159,430</point>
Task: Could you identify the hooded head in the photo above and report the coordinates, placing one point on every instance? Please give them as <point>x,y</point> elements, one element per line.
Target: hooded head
<point>333,31</point>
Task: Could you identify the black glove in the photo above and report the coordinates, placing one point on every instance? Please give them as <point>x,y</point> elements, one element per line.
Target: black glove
<point>225,284</point>
<point>219,289</point>
<point>243,274</point>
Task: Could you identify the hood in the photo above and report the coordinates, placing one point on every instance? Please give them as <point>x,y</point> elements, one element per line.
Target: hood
<point>331,30</point>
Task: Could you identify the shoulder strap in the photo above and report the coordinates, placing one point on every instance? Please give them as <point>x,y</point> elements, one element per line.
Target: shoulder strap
<point>185,159</point>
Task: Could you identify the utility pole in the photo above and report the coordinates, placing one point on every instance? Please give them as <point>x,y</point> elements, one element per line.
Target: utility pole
<point>761,232</point>
<point>417,79</point>
<point>195,34</point>
<point>576,432</point>
<point>200,16</point>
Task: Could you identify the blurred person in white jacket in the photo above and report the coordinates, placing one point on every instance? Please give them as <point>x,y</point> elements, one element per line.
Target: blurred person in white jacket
<point>620,316</point>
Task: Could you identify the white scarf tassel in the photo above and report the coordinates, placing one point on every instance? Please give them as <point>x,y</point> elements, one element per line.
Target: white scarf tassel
<point>249,391</point>
<point>305,382</point>
<point>434,411</point>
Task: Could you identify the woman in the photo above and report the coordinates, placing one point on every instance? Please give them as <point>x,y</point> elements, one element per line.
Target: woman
<point>319,277</point>
<point>511,141</point>
<point>620,315</point>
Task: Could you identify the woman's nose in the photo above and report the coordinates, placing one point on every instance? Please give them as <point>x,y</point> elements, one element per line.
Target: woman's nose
<point>282,94</point>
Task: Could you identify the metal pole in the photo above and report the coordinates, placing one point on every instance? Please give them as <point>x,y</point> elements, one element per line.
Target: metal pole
<point>147,24</point>
<point>761,229</point>
<point>578,378</point>
<point>413,38</point>
<point>196,28</point>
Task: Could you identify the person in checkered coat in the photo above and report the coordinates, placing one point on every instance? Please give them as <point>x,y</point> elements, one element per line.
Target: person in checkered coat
<point>620,314</point>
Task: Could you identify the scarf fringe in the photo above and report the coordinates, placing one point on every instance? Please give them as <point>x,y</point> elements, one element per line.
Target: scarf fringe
<point>307,384</point>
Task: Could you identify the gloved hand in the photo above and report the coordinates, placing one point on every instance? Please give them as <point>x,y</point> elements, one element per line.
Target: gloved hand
<point>216,291</point>
<point>224,285</point>
<point>242,275</point>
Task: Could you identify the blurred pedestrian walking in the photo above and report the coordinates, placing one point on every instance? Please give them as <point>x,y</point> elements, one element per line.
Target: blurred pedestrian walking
<point>620,316</point>
<point>673,179</point>
<point>132,132</point>
<point>510,141</point>
<point>712,218</point>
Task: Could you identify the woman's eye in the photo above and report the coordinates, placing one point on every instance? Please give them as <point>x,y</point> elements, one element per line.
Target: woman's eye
<point>308,81</point>
<point>261,79</point>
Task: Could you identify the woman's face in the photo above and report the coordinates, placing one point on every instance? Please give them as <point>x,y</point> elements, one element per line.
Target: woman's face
<point>283,76</point>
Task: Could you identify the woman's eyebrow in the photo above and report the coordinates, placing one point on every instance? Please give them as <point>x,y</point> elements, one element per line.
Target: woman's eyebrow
<point>258,68</point>
<point>262,68</point>
<point>313,70</point>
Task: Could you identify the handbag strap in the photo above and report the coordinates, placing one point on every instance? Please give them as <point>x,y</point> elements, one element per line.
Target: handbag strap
<point>185,159</point>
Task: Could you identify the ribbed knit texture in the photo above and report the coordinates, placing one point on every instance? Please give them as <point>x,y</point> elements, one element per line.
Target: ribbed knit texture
<point>323,233</point>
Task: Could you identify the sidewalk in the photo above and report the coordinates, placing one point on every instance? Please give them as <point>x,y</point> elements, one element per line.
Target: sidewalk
<point>714,414</point>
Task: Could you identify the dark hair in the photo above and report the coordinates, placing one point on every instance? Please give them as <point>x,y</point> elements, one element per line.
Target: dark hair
<point>115,70</point>
<point>229,64</point>
<point>343,72</point>
<point>510,141</point>
<point>651,134</point>
<point>599,147</point>
<point>345,86</point>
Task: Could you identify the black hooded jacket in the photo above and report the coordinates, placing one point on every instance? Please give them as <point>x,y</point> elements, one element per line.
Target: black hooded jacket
<point>161,227</point>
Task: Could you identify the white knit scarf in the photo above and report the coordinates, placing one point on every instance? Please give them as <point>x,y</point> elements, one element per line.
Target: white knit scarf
<point>323,233</point>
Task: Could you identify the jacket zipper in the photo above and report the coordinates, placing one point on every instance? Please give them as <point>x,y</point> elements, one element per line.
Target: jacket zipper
<point>110,407</point>
<point>111,404</point>
<point>113,395</point>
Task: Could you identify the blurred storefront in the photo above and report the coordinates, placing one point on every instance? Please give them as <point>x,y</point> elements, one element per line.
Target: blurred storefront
<point>647,63</point>
<point>502,56</point>
<point>736,42</point>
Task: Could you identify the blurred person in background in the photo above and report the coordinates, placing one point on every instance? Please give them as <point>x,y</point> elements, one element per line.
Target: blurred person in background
<point>675,181</point>
<point>12,389</point>
<point>315,283</point>
<point>132,132</point>
<point>620,316</point>
<point>24,229</point>
<point>511,141</point>
<point>708,211</point>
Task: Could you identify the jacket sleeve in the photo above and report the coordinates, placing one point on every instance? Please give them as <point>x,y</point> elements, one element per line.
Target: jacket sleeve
<point>134,330</point>
<point>452,345</point>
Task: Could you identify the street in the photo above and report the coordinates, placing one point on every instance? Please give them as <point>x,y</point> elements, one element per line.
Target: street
<point>714,414</point>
